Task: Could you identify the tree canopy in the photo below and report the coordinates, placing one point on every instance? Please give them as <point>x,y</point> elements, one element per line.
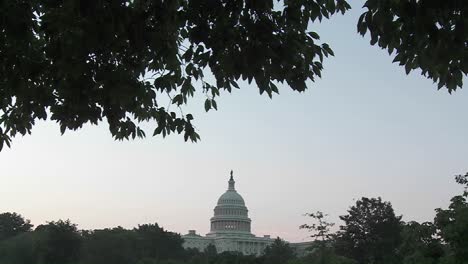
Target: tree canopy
<point>371,233</point>
<point>12,224</point>
<point>125,62</point>
<point>279,252</point>
<point>429,35</point>
<point>320,228</point>
<point>452,222</point>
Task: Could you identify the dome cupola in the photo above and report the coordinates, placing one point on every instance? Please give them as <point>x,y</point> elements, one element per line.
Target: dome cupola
<point>231,196</point>
<point>230,214</point>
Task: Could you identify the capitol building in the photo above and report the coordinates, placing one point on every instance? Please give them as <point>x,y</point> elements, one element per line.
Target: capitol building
<point>230,228</point>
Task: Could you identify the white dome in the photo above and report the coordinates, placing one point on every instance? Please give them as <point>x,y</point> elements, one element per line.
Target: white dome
<point>231,197</point>
<point>230,214</point>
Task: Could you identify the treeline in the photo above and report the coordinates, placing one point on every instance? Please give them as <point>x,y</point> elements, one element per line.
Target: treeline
<point>61,242</point>
<point>371,234</point>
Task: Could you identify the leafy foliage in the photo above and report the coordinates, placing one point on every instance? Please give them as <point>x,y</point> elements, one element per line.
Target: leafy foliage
<point>320,229</point>
<point>452,223</point>
<point>53,243</point>
<point>12,224</point>
<point>322,251</point>
<point>420,244</point>
<point>58,243</point>
<point>19,249</point>
<point>126,62</point>
<point>279,252</point>
<point>430,35</point>
<point>157,243</point>
<point>79,62</point>
<point>210,251</point>
<point>463,180</point>
<point>371,233</point>
<point>326,255</point>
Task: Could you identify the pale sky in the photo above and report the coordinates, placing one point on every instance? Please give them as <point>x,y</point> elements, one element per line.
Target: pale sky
<point>365,129</point>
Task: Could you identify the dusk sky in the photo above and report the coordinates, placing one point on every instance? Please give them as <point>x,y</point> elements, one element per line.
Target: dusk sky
<point>364,129</point>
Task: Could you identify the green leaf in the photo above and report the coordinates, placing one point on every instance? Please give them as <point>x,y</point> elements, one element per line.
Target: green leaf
<point>180,129</point>
<point>328,49</point>
<point>189,69</point>
<point>408,67</point>
<point>213,103</point>
<point>274,88</point>
<point>177,99</point>
<point>207,105</point>
<point>158,130</point>
<point>314,35</point>
<point>62,129</point>
<point>188,54</point>
<point>234,83</point>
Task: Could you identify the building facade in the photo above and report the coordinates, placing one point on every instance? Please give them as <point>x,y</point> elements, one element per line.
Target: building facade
<point>230,228</point>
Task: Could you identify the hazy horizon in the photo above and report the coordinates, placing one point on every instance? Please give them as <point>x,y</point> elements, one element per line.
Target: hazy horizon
<point>364,129</point>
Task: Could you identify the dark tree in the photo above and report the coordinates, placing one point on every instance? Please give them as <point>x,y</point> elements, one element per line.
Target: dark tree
<point>20,249</point>
<point>58,243</point>
<point>210,251</point>
<point>125,62</point>
<point>371,233</point>
<point>79,62</point>
<point>452,223</point>
<point>278,253</point>
<point>321,251</point>
<point>156,243</point>
<point>463,180</point>
<point>420,244</point>
<point>430,35</point>
<point>116,245</point>
<point>320,228</point>
<point>12,224</point>
<point>326,256</point>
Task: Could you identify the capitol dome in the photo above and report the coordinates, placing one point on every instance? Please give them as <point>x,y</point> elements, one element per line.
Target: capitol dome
<point>230,228</point>
<point>230,214</point>
<point>231,197</point>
